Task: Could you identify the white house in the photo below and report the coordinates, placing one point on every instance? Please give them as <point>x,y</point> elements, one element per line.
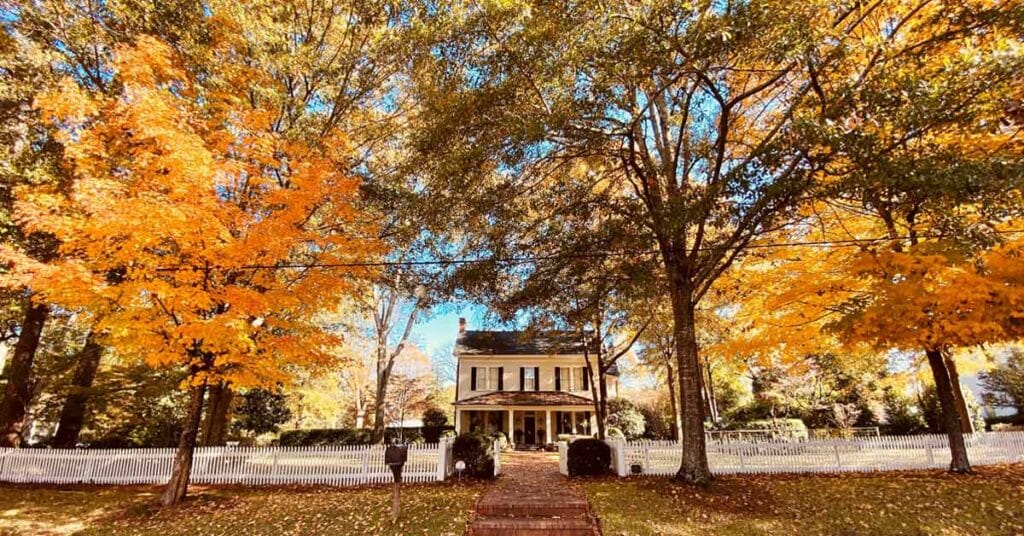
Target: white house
<point>532,386</point>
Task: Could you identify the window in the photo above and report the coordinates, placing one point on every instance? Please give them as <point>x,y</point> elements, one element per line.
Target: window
<point>488,378</point>
<point>577,379</point>
<point>571,379</point>
<point>529,379</point>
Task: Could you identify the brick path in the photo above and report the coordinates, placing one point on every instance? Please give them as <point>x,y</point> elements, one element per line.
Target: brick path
<point>532,498</point>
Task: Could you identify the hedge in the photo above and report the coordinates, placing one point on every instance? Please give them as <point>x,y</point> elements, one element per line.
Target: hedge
<point>344,436</point>
<point>591,457</point>
<point>477,451</point>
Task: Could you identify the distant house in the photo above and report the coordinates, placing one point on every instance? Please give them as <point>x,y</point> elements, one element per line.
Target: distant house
<point>530,385</point>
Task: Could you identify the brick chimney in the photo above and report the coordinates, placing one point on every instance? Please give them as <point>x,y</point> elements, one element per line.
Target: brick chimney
<point>462,325</point>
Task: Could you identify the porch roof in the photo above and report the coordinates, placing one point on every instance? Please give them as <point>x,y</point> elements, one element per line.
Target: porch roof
<point>525,398</point>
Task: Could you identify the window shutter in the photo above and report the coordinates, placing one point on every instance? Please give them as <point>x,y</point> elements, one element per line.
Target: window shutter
<point>586,379</point>
<point>522,378</point>
<point>558,378</point>
<point>501,378</point>
<point>472,379</point>
<point>536,378</point>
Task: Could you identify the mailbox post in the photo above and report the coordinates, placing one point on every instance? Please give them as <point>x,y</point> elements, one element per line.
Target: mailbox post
<point>395,456</point>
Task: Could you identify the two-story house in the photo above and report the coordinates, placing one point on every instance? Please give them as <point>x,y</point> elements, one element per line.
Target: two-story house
<point>532,386</point>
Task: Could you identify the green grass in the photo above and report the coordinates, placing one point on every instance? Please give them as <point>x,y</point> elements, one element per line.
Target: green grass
<point>435,509</point>
<point>930,502</point>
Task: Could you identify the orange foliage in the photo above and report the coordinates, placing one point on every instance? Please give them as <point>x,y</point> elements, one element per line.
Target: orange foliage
<point>184,196</point>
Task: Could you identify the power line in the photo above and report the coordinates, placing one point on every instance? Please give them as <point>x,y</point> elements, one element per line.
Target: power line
<point>539,258</point>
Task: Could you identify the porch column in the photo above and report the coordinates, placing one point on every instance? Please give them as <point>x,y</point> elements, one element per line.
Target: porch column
<point>547,426</point>
<point>511,426</point>
<point>458,421</point>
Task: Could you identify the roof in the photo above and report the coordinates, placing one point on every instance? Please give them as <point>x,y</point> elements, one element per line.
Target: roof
<point>521,343</point>
<point>526,398</point>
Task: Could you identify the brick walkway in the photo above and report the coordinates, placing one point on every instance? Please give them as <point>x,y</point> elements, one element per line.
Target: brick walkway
<point>532,498</point>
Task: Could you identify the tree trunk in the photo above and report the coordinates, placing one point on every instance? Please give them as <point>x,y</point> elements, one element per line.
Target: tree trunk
<point>18,391</point>
<point>709,388</point>
<point>674,400</point>
<point>218,412</point>
<point>181,471</point>
<point>72,416</point>
<point>950,416</point>
<point>383,377</point>
<point>966,423</point>
<point>360,408</point>
<point>602,427</point>
<point>602,403</point>
<point>694,466</point>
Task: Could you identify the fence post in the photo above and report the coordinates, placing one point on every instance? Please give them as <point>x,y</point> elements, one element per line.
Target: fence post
<point>620,457</point>
<point>442,461</point>
<point>928,451</point>
<point>739,454</point>
<point>835,447</point>
<point>497,457</point>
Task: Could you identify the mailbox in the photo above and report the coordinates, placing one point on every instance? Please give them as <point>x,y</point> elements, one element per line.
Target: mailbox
<point>395,456</point>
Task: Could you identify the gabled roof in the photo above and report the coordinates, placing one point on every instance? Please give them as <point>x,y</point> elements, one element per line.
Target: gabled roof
<point>526,398</point>
<point>521,343</point>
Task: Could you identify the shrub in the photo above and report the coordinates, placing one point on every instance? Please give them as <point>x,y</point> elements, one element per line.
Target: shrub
<point>901,416</point>
<point>624,415</point>
<point>589,457</point>
<point>433,434</point>
<point>434,417</point>
<point>503,442</point>
<point>477,451</point>
<point>435,422</point>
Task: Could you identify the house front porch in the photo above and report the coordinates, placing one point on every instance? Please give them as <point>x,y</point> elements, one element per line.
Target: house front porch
<point>528,419</point>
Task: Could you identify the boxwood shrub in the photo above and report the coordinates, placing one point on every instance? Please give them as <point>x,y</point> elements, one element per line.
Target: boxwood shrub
<point>477,451</point>
<point>589,457</point>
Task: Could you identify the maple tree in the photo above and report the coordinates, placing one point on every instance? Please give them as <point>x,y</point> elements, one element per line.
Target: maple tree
<point>42,43</point>
<point>192,225</point>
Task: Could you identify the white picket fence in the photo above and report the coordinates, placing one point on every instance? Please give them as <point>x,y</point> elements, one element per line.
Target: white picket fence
<point>885,453</point>
<point>328,465</point>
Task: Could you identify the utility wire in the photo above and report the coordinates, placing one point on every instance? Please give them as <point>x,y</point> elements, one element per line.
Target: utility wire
<point>558,256</point>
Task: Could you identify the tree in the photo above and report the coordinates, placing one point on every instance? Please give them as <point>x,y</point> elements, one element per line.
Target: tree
<point>72,416</point>
<point>261,411</point>
<point>206,262</point>
<point>390,309</point>
<point>708,121</point>
<point>43,42</point>
<point>1004,383</point>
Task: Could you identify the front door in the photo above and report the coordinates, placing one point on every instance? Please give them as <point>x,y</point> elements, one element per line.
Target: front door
<point>530,428</point>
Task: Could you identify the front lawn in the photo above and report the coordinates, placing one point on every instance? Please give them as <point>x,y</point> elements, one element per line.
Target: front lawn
<point>426,509</point>
<point>928,502</point>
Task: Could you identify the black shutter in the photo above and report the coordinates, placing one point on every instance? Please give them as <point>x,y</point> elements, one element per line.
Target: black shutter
<point>558,378</point>
<point>472,379</point>
<point>586,379</point>
<point>522,378</point>
<point>536,378</point>
<point>501,378</point>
